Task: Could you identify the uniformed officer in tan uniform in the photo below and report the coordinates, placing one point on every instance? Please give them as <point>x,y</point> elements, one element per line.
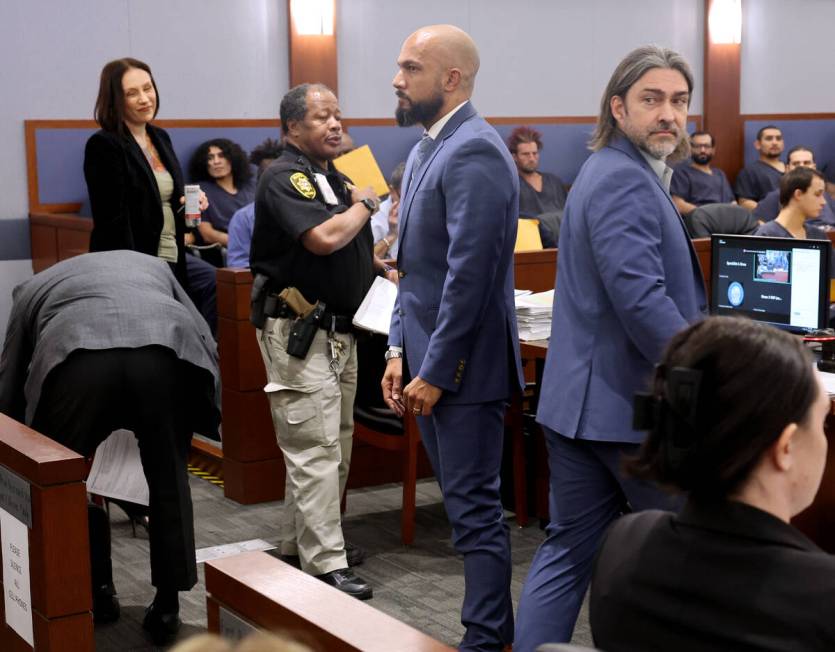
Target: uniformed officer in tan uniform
<point>313,260</point>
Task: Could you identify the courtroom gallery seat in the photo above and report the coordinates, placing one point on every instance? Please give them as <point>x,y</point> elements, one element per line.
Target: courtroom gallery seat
<point>720,218</point>
<point>376,425</point>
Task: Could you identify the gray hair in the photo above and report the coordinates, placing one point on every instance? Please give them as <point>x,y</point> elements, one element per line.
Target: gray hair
<point>634,66</point>
<point>294,103</point>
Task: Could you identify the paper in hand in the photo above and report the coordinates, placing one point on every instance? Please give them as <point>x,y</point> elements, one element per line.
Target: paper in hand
<point>374,313</point>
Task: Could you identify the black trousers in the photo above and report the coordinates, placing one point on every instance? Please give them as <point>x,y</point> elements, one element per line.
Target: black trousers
<point>149,391</point>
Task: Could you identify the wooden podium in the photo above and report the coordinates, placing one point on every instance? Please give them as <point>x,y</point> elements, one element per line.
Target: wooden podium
<point>42,491</point>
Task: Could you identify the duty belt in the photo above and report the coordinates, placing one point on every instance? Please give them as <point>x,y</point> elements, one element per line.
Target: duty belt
<point>329,321</point>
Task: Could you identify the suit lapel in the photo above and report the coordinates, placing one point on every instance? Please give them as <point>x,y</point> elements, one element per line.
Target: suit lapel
<point>462,115</point>
<point>626,146</point>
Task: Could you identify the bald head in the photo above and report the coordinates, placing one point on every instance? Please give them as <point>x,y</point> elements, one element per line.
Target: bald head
<point>437,68</point>
<point>451,48</point>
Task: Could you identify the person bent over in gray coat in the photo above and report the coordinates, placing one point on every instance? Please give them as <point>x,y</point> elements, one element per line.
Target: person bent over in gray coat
<point>111,340</point>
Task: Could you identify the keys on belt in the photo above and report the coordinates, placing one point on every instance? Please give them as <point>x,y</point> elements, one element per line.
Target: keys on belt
<point>336,346</point>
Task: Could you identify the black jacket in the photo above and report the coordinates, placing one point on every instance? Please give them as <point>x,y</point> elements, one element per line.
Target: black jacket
<point>720,576</point>
<point>124,196</point>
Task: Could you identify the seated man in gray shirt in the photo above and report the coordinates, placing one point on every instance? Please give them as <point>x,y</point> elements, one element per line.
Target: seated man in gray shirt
<point>541,194</point>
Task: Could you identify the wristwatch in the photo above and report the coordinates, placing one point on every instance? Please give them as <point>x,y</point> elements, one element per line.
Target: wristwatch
<point>370,204</point>
<point>392,353</point>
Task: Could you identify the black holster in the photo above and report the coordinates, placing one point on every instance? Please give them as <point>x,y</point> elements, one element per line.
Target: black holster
<point>303,331</point>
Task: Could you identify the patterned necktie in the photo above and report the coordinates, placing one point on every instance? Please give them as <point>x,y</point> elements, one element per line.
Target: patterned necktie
<point>424,146</point>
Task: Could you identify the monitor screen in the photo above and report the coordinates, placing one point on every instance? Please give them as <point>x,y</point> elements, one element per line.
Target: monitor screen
<point>779,281</point>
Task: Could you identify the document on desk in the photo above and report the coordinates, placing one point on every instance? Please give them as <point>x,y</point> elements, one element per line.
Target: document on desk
<point>374,313</point>
<point>117,469</point>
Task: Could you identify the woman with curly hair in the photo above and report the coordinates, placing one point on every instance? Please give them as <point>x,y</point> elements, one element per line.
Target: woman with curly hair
<point>222,169</point>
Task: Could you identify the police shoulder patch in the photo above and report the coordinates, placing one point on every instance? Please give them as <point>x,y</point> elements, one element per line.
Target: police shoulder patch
<point>302,184</point>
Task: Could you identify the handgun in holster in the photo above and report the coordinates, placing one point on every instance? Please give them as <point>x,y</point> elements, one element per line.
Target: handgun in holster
<point>303,330</point>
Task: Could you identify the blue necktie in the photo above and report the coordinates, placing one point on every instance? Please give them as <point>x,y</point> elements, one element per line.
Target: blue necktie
<point>424,147</point>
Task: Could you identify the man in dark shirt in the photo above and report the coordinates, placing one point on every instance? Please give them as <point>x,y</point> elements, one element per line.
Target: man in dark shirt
<point>755,181</point>
<point>541,194</point>
<point>769,207</point>
<point>695,183</point>
<point>312,234</point>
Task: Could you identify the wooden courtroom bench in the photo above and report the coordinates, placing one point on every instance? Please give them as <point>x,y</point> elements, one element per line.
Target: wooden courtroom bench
<point>42,487</point>
<point>257,590</point>
<point>56,237</point>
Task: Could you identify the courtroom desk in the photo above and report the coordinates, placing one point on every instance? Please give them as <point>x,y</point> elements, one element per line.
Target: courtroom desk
<point>266,593</point>
<point>42,485</point>
<point>535,270</point>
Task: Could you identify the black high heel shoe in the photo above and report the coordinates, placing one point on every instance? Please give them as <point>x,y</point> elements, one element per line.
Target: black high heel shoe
<point>162,627</point>
<point>105,604</point>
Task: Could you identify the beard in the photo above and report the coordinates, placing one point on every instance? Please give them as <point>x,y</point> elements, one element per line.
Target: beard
<point>418,112</point>
<point>675,149</point>
<point>702,158</point>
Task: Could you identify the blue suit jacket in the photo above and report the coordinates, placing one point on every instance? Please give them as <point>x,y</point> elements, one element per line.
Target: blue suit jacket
<point>628,279</point>
<point>455,314</point>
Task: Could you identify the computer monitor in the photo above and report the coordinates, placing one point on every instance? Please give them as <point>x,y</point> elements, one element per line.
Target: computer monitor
<point>780,281</point>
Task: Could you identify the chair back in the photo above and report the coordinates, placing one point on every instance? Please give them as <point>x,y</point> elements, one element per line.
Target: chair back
<point>720,218</point>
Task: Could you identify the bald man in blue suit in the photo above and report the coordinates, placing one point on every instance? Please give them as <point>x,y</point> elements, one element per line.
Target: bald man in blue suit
<point>627,280</point>
<point>453,332</point>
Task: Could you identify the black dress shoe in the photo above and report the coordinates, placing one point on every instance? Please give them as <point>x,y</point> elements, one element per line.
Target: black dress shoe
<point>345,580</point>
<point>105,605</point>
<point>162,627</point>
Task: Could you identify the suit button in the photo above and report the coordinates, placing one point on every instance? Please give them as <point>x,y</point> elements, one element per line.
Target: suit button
<point>400,312</point>
<point>401,274</point>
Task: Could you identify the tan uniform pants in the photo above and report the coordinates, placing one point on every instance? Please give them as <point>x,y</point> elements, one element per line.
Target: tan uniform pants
<point>313,415</point>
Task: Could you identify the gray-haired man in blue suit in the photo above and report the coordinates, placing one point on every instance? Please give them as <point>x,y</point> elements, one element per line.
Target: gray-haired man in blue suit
<point>628,279</point>
<point>454,322</point>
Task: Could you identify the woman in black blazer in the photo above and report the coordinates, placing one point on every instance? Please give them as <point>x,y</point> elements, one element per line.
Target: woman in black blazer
<point>135,186</point>
<point>736,420</point>
<point>133,177</point>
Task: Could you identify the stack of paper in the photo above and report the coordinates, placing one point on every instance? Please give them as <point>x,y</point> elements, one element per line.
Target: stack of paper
<point>533,315</point>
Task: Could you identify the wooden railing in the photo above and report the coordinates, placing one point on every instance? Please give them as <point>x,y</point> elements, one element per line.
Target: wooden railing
<point>44,504</point>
